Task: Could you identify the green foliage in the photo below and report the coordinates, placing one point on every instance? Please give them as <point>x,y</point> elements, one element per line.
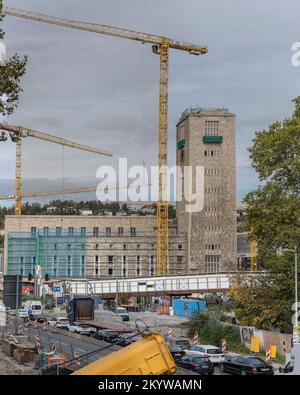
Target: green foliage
<point>10,78</point>
<point>273,215</point>
<point>211,332</point>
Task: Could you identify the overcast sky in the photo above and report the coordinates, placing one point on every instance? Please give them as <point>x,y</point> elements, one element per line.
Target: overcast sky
<point>103,91</point>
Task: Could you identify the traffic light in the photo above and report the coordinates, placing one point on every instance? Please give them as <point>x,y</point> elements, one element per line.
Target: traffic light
<point>47,278</point>
<point>29,277</point>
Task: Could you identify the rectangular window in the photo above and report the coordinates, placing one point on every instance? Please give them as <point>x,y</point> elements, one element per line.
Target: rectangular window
<point>120,231</point>
<point>124,265</point>
<point>54,269</point>
<point>95,231</point>
<point>179,260</point>
<point>82,265</point>
<point>152,265</point>
<point>83,231</point>
<point>96,266</point>
<point>70,231</point>
<point>138,265</point>
<point>133,232</point>
<point>110,260</point>
<point>33,231</point>
<point>58,231</point>
<point>108,231</point>
<point>212,263</point>
<point>69,266</point>
<point>21,268</point>
<point>211,128</point>
<point>46,231</point>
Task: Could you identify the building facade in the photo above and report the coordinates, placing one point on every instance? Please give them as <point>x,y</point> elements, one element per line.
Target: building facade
<point>88,246</point>
<point>206,138</point>
<point>204,241</point>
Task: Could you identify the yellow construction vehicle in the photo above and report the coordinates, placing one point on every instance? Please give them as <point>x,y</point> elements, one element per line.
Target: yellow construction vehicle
<point>148,356</point>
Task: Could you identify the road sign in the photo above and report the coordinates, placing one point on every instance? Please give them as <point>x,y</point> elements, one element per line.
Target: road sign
<point>56,289</point>
<point>254,344</point>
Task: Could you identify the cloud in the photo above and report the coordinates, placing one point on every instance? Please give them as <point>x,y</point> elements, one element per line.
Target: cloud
<point>103,91</point>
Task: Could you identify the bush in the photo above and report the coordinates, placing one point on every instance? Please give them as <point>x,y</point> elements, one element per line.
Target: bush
<point>213,333</point>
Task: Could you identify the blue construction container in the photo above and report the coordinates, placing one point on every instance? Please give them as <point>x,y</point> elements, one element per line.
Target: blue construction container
<point>188,307</point>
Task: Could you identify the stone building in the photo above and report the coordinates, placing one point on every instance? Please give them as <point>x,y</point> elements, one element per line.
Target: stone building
<point>88,246</point>
<point>206,137</point>
<point>120,246</point>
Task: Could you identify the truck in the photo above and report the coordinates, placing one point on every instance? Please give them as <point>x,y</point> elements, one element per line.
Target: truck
<point>80,308</point>
<point>293,366</point>
<point>148,356</point>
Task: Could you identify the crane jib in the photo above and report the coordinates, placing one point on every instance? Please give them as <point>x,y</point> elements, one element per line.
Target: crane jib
<point>107,30</point>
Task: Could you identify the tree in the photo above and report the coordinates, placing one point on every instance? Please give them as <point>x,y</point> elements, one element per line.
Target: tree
<point>273,217</point>
<point>10,78</point>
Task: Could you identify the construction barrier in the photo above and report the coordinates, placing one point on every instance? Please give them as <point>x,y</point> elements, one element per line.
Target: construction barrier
<point>170,332</point>
<point>21,328</point>
<point>44,326</point>
<point>224,345</point>
<point>196,337</point>
<point>77,358</point>
<point>53,347</point>
<point>35,323</point>
<point>38,342</point>
<point>268,353</point>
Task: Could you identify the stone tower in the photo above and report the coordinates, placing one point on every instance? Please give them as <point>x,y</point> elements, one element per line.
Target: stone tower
<point>206,137</point>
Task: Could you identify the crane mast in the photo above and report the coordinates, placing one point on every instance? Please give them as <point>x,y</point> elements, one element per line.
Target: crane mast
<point>17,133</point>
<point>161,45</point>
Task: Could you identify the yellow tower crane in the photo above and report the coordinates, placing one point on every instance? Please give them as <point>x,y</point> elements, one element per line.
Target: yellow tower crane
<point>17,133</point>
<point>160,45</point>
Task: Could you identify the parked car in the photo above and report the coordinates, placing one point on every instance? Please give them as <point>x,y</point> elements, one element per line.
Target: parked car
<point>121,312</point>
<point>215,354</point>
<point>201,365</point>
<point>181,342</point>
<point>59,322</point>
<point>246,366</point>
<point>81,328</point>
<point>177,352</point>
<point>107,335</point>
<point>127,338</point>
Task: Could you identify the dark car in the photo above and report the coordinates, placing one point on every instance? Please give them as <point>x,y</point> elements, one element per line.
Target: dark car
<point>106,335</point>
<point>247,366</point>
<point>177,352</point>
<point>128,338</point>
<point>201,365</point>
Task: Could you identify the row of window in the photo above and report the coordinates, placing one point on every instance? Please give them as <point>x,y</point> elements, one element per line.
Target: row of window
<point>212,209</point>
<point>212,228</point>
<point>212,153</point>
<point>213,190</point>
<point>71,231</point>
<point>211,127</point>
<point>212,263</point>
<point>212,247</point>
<point>213,172</point>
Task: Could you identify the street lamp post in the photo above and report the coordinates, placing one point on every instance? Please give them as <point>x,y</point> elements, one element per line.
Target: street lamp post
<point>296,324</point>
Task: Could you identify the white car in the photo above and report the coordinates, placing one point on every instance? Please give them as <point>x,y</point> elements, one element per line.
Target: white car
<point>59,322</point>
<point>81,328</point>
<point>215,354</point>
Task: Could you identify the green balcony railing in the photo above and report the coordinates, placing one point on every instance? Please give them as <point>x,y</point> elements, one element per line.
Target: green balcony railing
<point>212,139</point>
<point>180,144</point>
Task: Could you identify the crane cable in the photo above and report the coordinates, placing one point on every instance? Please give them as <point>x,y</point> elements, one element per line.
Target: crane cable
<point>103,348</point>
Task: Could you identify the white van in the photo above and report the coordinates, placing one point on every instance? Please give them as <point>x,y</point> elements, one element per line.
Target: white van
<point>33,307</point>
